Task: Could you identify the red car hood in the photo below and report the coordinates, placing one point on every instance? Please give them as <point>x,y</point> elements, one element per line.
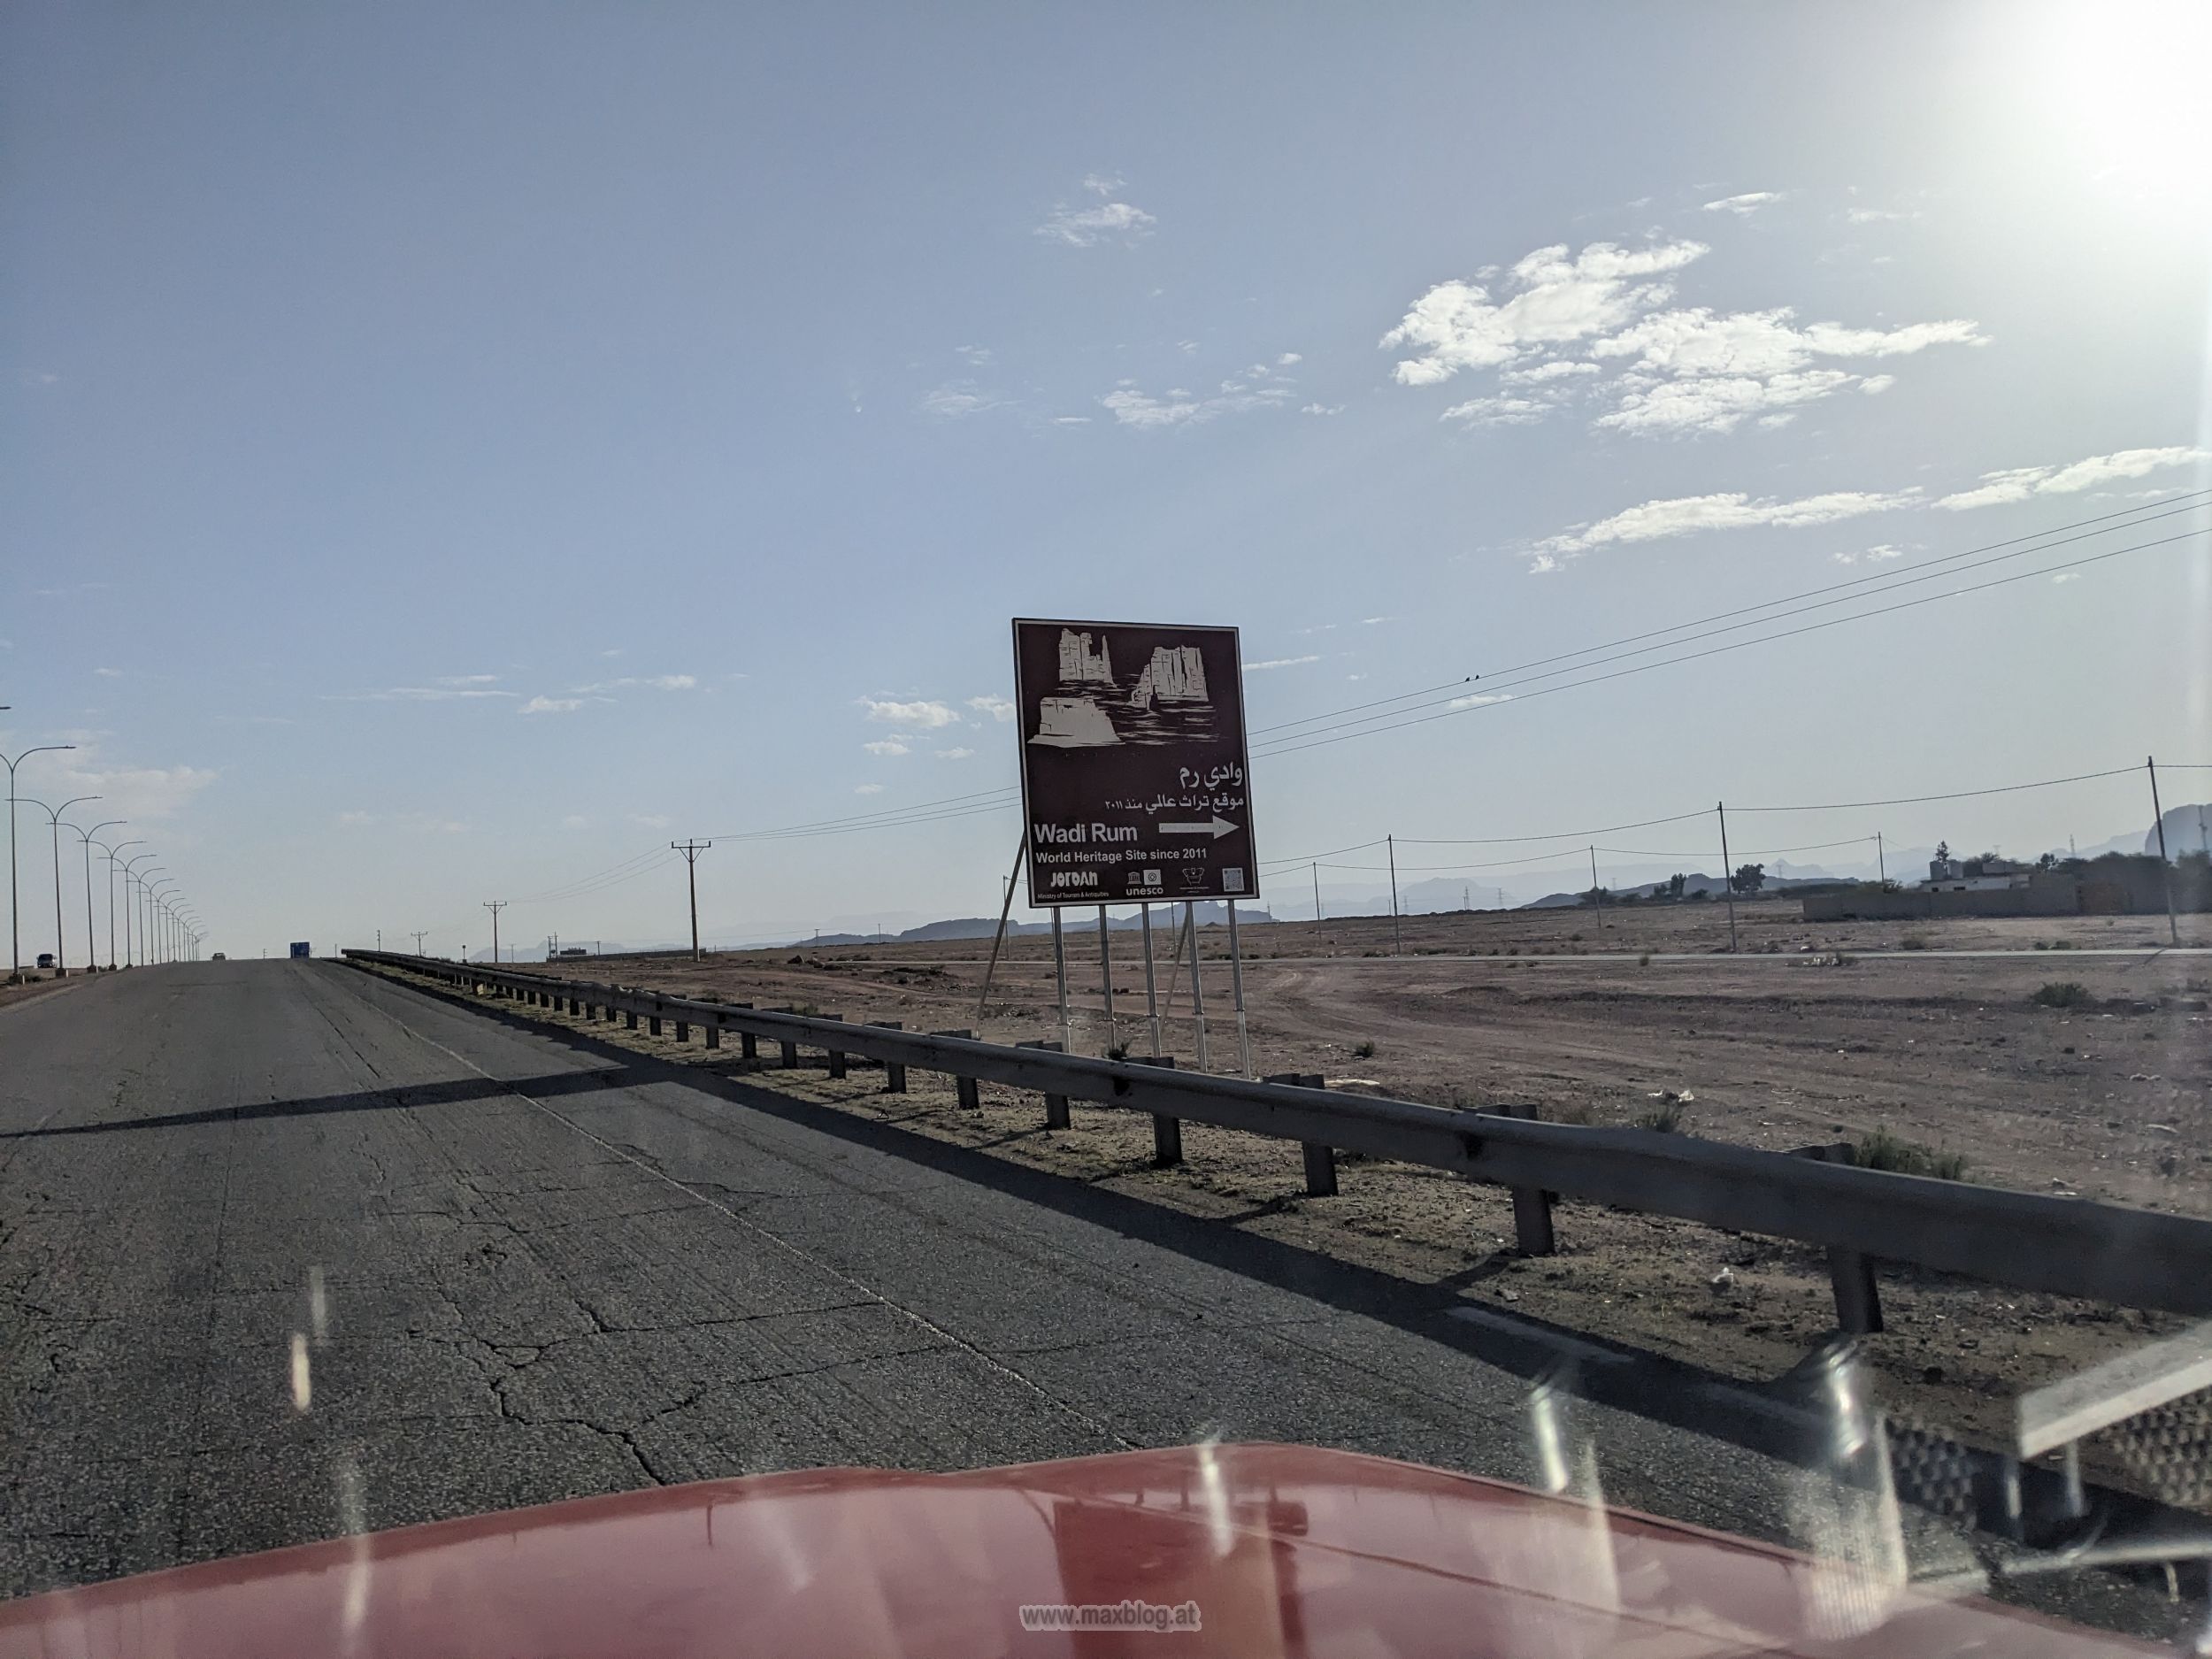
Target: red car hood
<point>1272,1549</point>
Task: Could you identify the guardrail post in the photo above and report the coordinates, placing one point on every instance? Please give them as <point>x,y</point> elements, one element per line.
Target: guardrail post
<point>653,1023</point>
<point>1531,1205</point>
<point>1320,1160</point>
<point>714,1031</point>
<point>964,1086</point>
<point>1850,1272</point>
<point>683,1031</point>
<point>1055,1105</point>
<point>893,1075</point>
<point>1167,1132</point>
<point>836,1056</point>
<point>629,1019</point>
<point>747,1045</point>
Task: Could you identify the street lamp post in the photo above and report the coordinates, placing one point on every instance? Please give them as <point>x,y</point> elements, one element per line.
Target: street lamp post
<point>15,913</point>
<point>146,916</point>
<point>131,954</point>
<point>53,813</point>
<point>111,852</point>
<point>91,944</point>
<point>157,911</point>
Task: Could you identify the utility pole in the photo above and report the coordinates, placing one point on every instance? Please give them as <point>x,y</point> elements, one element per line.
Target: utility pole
<point>494,906</point>
<point>1727,873</point>
<point>691,851</point>
<point>2173,923</point>
<point>418,933</point>
<point>1397,934</point>
<point>1597,892</point>
<point>1881,864</point>
<point>1316,899</point>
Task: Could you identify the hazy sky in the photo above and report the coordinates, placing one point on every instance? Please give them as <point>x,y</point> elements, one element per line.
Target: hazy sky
<point>451,450</point>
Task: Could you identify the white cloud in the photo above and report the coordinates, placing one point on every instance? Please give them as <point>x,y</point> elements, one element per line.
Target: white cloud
<point>1103,183</point>
<point>1875,384</point>
<point>1322,408</point>
<point>1542,565</point>
<point>887,746</point>
<point>2067,576</point>
<point>650,820</point>
<point>1557,369</point>
<point>997,708</point>
<point>2020,482</point>
<point>1370,622</point>
<point>1279,661</point>
<point>954,753</point>
<point>575,821</point>
<point>950,402</point>
<point>1587,329</point>
<point>1877,215</point>
<point>1456,325</point>
<point>1743,205</point>
<point>468,680</point>
<point>417,693</point>
<point>1287,358</point>
<point>1260,386</point>
<point>1880,554</point>
<point>1685,515</point>
<point>981,357</point>
<point>139,793</point>
<point>1500,412</point>
<point>1086,226</point>
<point>867,789</point>
<point>1476,700</point>
<point>109,673</point>
<point>927,715</point>
<point>1071,421</point>
<point>354,818</point>
<point>651,682</point>
<point>551,705</point>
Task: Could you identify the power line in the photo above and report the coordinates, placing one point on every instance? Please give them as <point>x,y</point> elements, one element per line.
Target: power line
<point>1961,794</point>
<point>2146,514</point>
<point>1500,690</point>
<point>1737,645</point>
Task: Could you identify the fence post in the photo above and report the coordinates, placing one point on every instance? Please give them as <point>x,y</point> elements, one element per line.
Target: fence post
<point>629,1020</point>
<point>1055,1105</point>
<point>1850,1274</point>
<point>837,1056</point>
<point>653,1022</point>
<point>683,1031</point>
<point>713,1022</point>
<point>1320,1160</point>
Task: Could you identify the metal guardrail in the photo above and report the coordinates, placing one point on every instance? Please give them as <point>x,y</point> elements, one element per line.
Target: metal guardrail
<point>2066,1247</point>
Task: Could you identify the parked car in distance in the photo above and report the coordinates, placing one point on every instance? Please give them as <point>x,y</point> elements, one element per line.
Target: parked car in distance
<point>45,958</point>
<point>220,956</point>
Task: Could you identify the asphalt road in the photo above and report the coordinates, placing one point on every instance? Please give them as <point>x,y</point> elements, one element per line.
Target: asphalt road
<point>288,1251</point>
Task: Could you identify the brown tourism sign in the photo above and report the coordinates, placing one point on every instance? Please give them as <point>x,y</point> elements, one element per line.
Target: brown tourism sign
<point>1135,781</point>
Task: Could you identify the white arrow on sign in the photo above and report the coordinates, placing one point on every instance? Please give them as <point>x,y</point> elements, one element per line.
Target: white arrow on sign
<point>1219,827</point>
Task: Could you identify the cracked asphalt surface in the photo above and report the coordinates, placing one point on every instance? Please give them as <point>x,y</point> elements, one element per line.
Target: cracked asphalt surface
<point>288,1251</point>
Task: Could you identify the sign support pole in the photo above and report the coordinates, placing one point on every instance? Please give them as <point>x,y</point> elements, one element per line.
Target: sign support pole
<point>1059,977</point>
<point>1106,968</point>
<point>1151,985</point>
<point>1197,988</point>
<point>1005,909</point>
<point>1236,984</point>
